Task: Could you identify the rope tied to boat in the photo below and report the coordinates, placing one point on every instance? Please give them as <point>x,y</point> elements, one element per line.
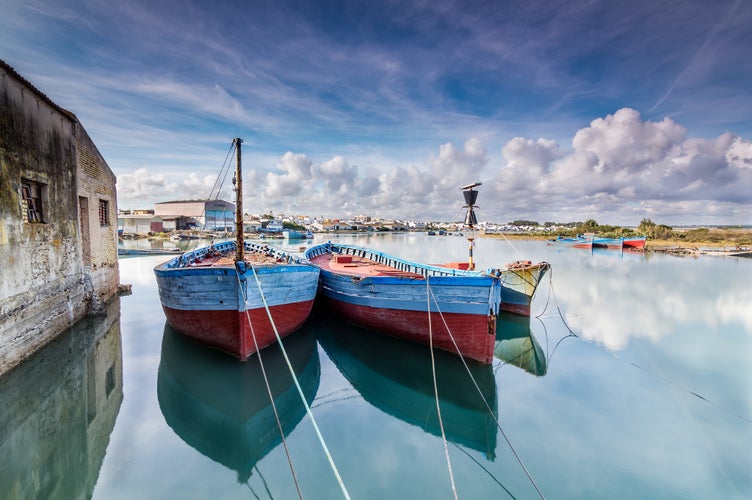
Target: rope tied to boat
<point>475,384</point>
<point>268,386</point>
<point>436,388</point>
<point>297,384</point>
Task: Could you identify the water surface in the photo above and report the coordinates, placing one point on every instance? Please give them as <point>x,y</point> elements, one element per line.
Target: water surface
<point>631,379</point>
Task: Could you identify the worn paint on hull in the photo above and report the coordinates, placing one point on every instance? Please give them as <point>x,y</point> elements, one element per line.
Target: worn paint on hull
<point>634,243</point>
<point>391,295</point>
<point>205,296</point>
<point>518,286</point>
<point>471,332</point>
<point>231,331</point>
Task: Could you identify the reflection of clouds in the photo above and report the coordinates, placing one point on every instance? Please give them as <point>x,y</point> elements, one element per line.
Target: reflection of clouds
<point>611,301</point>
<point>140,270</point>
<point>737,306</point>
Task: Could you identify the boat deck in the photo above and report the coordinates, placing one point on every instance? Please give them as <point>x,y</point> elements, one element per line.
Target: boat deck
<point>353,265</point>
<point>228,259</point>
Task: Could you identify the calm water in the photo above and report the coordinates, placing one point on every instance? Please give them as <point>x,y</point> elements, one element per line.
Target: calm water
<point>648,395</point>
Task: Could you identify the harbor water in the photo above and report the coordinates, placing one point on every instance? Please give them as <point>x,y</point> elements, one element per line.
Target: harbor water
<point>631,379</point>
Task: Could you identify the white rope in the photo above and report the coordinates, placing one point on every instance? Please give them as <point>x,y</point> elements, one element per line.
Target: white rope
<point>436,389</point>
<point>268,387</point>
<point>300,390</point>
<point>477,388</point>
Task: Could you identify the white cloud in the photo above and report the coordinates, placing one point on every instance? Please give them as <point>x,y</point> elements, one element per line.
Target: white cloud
<point>622,165</point>
<point>140,184</point>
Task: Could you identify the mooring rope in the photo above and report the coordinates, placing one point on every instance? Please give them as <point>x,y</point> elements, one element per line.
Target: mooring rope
<point>436,389</point>
<point>268,387</point>
<point>300,390</point>
<point>485,402</point>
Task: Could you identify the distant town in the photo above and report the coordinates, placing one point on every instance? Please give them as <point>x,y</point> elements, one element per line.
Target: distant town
<point>218,215</point>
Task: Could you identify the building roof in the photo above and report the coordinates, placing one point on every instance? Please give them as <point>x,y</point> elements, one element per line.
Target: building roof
<point>7,67</point>
<point>192,201</point>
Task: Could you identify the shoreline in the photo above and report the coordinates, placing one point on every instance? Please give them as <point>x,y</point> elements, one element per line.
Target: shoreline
<point>669,246</point>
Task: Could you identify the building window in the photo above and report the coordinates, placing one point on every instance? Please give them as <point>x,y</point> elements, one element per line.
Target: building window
<point>32,197</point>
<point>104,213</point>
<point>109,383</point>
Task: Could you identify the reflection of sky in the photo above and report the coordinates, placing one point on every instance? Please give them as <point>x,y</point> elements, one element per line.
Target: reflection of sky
<point>612,301</point>
<point>614,417</point>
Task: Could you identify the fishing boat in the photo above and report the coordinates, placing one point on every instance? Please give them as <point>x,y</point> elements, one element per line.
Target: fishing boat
<point>635,243</point>
<point>573,242</point>
<point>403,386</point>
<point>223,409</point>
<point>610,243</point>
<point>236,296</point>
<point>419,302</point>
<point>519,281</point>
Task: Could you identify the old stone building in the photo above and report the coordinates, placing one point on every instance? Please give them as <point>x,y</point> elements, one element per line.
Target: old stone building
<point>58,222</point>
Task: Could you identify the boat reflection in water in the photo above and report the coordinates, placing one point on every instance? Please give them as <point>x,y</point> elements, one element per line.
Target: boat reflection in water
<point>395,376</point>
<point>516,345</point>
<point>221,407</point>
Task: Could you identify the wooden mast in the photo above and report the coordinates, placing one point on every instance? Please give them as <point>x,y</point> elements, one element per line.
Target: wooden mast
<point>240,251</point>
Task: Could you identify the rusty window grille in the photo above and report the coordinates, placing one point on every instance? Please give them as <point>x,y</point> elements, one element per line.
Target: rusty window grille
<point>32,195</point>
<point>104,213</point>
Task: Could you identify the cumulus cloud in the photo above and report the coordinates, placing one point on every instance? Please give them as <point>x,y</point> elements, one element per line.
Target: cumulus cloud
<point>140,184</point>
<point>624,164</point>
<point>296,173</point>
<point>619,169</point>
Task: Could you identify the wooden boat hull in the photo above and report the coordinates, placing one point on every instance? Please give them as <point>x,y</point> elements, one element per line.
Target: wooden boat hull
<point>635,243</point>
<point>586,243</point>
<point>609,243</point>
<point>463,305</point>
<point>518,286</point>
<point>221,306</point>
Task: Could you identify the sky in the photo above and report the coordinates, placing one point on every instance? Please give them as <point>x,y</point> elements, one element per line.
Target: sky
<point>616,111</point>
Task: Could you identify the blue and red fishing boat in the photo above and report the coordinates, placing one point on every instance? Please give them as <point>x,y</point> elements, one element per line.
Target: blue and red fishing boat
<point>519,281</point>
<point>635,243</point>
<point>609,243</point>
<point>585,242</point>
<point>451,309</point>
<point>236,296</point>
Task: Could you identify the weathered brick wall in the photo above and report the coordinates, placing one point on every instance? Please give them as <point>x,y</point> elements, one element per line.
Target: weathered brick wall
<point>44,287</point>
<point>97,182</point>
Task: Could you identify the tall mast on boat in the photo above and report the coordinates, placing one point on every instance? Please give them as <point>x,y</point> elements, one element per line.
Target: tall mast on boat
<point>471,221</point>
<point>238,181</point>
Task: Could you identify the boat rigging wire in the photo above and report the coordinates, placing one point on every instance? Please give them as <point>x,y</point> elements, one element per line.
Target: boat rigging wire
<point>507,240</point>
<point>297,385</point>
<point>480,393</point>
<point>268,387</point>
<point>217,184</point>
<point>436,387</point>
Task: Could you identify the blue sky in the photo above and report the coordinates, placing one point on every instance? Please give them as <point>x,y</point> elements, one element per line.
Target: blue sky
<point>565,110</point>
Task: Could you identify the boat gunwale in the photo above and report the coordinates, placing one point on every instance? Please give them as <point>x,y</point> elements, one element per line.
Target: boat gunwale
<point>425,270</point>
<point>185,261</point>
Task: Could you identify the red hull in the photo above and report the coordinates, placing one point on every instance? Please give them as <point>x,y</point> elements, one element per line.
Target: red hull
<point>634,244</point>
<point>475,335</point>
<point>230,331</point>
